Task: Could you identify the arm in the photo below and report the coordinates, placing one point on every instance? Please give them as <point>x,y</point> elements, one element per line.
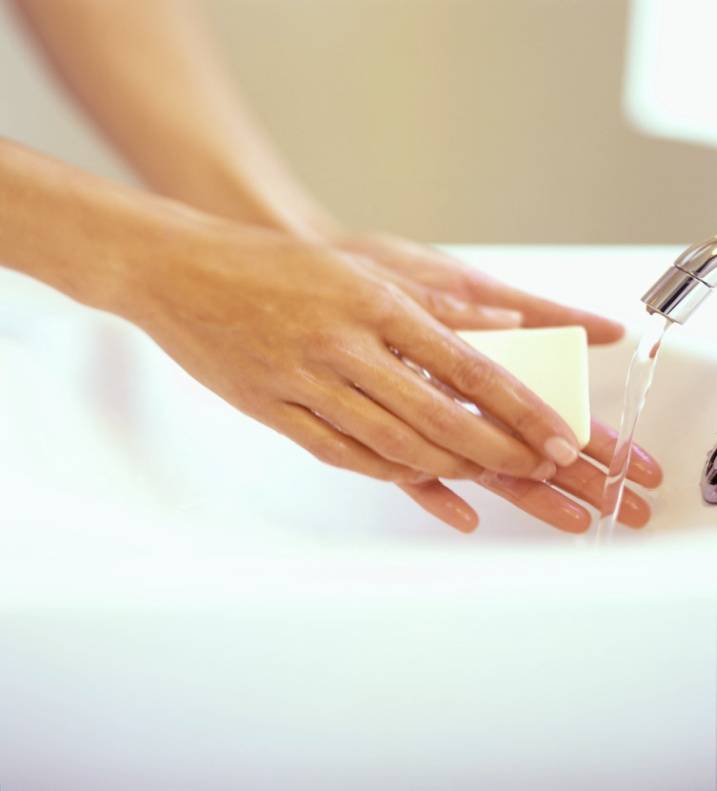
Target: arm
<point>297,336</point>
<point>148,75</point>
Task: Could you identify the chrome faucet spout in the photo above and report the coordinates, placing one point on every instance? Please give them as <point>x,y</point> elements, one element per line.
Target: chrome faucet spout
<point>686,284</point>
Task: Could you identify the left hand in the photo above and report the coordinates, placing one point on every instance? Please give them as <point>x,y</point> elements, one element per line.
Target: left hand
<point>431,276</point>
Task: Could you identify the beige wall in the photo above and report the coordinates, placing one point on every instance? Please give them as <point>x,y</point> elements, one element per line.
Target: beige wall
<point>451,120</point>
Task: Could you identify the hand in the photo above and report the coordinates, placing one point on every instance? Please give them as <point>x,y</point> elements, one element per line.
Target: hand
<point>583,480</point>
<point>301,337</point>
<point>420,269</point>
<point>435,279</point>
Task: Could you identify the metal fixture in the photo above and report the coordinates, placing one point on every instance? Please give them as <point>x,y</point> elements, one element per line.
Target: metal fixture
<point>709,479</point>
<point>686,284</point>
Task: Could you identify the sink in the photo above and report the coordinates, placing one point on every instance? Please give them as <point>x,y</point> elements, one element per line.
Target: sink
<point>187,599</point>
<point>128,432</point>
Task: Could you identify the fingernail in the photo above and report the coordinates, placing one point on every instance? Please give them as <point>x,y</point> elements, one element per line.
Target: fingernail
<point>466,520</point>
<point>504,317</point>
<point>631,508</point>
<point>642,463</point>
<point>641,459</point>
<point>575,519</point>
<point>544,471</point>
<point>630,505</point>
<point>561,451</point>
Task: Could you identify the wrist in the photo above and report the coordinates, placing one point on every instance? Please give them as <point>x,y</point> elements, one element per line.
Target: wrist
<point>169,236</point>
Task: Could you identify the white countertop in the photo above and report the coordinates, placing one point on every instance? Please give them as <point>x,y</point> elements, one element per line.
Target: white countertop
<point>190,617</point>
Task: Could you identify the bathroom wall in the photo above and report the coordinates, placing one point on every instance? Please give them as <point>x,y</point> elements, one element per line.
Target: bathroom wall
<point>451,120</point>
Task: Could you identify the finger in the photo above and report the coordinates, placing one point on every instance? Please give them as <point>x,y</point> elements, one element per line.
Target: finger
<point>421,264</point>
<point>448,308</point>
<point>539,500</point>
<point>643,469</point>
<point>539,312</point>
<point>460,315</point>
<point>354,413</point>
<point>586,481</point>
<point>457,313</point>
<point>332,447</point>
<point>438,418</point>
<point>441,271</point>
<point>481,381</point>
<point>444,504</point>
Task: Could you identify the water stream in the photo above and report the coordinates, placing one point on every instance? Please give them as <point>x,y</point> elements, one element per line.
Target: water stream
<point>639,379</point>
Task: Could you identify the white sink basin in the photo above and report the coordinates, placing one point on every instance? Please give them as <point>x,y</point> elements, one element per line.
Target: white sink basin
<point>188,600</point>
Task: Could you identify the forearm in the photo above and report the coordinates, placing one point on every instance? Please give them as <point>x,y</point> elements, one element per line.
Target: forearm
<point>170,108</point>
<point>81,234</point>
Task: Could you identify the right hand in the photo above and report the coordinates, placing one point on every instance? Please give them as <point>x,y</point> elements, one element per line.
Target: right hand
<point>300,337</point>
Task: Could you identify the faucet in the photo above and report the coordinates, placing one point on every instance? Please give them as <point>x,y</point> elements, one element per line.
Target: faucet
<point>676,296</point>
<point>686,284</point>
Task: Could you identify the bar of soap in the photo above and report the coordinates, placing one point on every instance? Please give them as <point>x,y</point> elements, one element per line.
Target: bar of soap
<point>551,361</point>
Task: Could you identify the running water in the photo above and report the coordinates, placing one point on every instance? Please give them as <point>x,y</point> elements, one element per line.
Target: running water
<point>639,379</point>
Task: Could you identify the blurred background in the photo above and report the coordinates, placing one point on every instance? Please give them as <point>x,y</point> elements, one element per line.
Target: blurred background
<point>484,121</point>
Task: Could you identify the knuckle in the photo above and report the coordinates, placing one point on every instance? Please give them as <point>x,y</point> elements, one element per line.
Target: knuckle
<point>329,451</point>
<point>518,462</point>
<point>395,444</point>
<point>394,474</point>
<point>410,477</point>
<point>441,419</point>
<point>473,373</point>
<point>321,400</point>
<point>526,420</point>
<point>324,340</point>
<point>593,477</point>
<point>466,282</point>
<point>433,302</point>
<point>385,303</point>
<point>456,470</point>
<point>334,345</point>
<point>405,479</point>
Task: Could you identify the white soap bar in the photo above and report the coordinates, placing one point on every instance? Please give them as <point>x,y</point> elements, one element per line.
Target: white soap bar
<point>551,361</point>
